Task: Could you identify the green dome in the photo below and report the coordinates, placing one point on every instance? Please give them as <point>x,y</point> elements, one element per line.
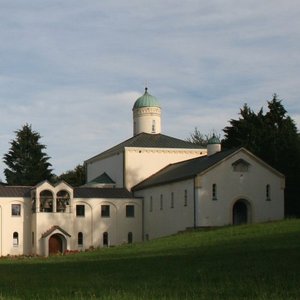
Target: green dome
<point>146,100</point>
<point>214,140</point>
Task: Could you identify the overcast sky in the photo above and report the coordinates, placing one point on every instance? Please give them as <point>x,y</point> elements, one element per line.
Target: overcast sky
<point>73,69</point>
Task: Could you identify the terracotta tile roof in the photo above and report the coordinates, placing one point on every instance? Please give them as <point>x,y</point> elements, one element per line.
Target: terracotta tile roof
<point>52,229</point>
<point>15,191</point>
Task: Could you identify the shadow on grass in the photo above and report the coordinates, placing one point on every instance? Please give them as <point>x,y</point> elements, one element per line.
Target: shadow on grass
<point>236,266</point>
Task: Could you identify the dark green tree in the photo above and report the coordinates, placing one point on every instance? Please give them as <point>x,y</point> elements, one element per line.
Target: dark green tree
<point>27,163</point>
<point>74,177</point>
<point>272,136</point>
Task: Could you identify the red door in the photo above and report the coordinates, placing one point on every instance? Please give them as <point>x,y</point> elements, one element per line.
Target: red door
<point>55,244</point>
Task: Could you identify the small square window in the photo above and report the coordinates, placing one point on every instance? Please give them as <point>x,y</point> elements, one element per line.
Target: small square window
<point>80,210</point>
<point>105,211</point>
<point>129,211</point>
<point>16,209</point>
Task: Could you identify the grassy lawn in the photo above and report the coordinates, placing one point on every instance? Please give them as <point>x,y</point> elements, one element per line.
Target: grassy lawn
<point>244,262</point>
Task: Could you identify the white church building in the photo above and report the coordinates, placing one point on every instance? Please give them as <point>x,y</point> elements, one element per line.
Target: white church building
<point>148,186</point>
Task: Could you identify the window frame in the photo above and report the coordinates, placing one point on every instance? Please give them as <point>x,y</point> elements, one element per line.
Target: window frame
<point>105,211</point>
<point>130,211</point>
<point>214,191</point>
<point>80,239</point>
<point>172,200</point>
<point>16,209</point>
<point>15,239</point>
<point>80,212</point>
<point>185,203</point>
<point>268,192</point>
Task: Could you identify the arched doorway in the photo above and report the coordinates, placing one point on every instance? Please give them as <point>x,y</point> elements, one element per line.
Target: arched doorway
<point>56,244</point>
<point>240,212</point>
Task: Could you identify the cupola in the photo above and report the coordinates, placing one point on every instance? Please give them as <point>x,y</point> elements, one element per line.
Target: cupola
<point>213,145</point>
<point>146,114</point>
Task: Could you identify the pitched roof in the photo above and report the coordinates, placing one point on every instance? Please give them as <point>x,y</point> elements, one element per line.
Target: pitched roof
<point>147,140</point>
<point>183,170</point>
<point>14,191</point>
<point>94,192</point>
<point>53,228</point>
<point>103,178</point>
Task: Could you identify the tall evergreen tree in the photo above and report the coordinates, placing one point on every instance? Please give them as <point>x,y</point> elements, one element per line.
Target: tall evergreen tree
<point>26,162</point>
<point>274,138</point>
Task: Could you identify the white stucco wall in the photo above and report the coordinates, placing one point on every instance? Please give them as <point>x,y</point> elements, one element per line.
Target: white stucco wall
<point>112,165</point>
<point>140,163</point>
<point>168,220</point>
<point>67,224</point>
<point>143,119</point>
<point>10,224</point>
<point>232,186</point>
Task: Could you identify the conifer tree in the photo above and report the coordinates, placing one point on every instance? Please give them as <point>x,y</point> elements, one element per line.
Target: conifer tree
<point>27,163</point>
<point>274,137</point>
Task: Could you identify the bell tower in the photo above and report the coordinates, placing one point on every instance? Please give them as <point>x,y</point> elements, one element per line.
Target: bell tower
<point>146,115</point>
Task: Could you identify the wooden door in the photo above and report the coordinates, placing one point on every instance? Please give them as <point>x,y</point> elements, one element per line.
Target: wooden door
<point>55,244</point>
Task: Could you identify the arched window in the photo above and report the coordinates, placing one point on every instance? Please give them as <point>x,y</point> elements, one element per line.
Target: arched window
<point>153,126</point>
<point>130,238</point>
<point>15,239</point>
<point>62,200</point>
<point>46,201</point>
<point>80,239</point>
<point>105,239</point>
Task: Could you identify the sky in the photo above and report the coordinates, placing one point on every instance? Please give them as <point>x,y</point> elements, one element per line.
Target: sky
<point>73,69</point>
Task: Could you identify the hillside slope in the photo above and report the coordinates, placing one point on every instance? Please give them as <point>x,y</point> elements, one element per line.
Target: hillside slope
<point>244,262</point>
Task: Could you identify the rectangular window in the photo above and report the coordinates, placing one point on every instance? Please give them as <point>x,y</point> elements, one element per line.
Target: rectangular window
<point>172,200</point>
<point>80,239</point>
<point>161,202</point>
<point>16,209</point>
<point>214,191</point>
<point>151,204</point>
<point>129,211</point>
<point>105,211</point>
<point>80,210</point>
<point>185,198</point>
<point>32,239</point>
<point>268,192</point>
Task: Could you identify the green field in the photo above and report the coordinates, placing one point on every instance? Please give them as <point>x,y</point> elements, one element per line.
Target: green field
<point>243,262</point>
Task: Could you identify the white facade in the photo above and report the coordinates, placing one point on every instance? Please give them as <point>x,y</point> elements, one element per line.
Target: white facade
<point>34,224</point>
<point>147,119</point>
<point>135,164</point>
<point>224,194</point>
<point>175,185</point>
